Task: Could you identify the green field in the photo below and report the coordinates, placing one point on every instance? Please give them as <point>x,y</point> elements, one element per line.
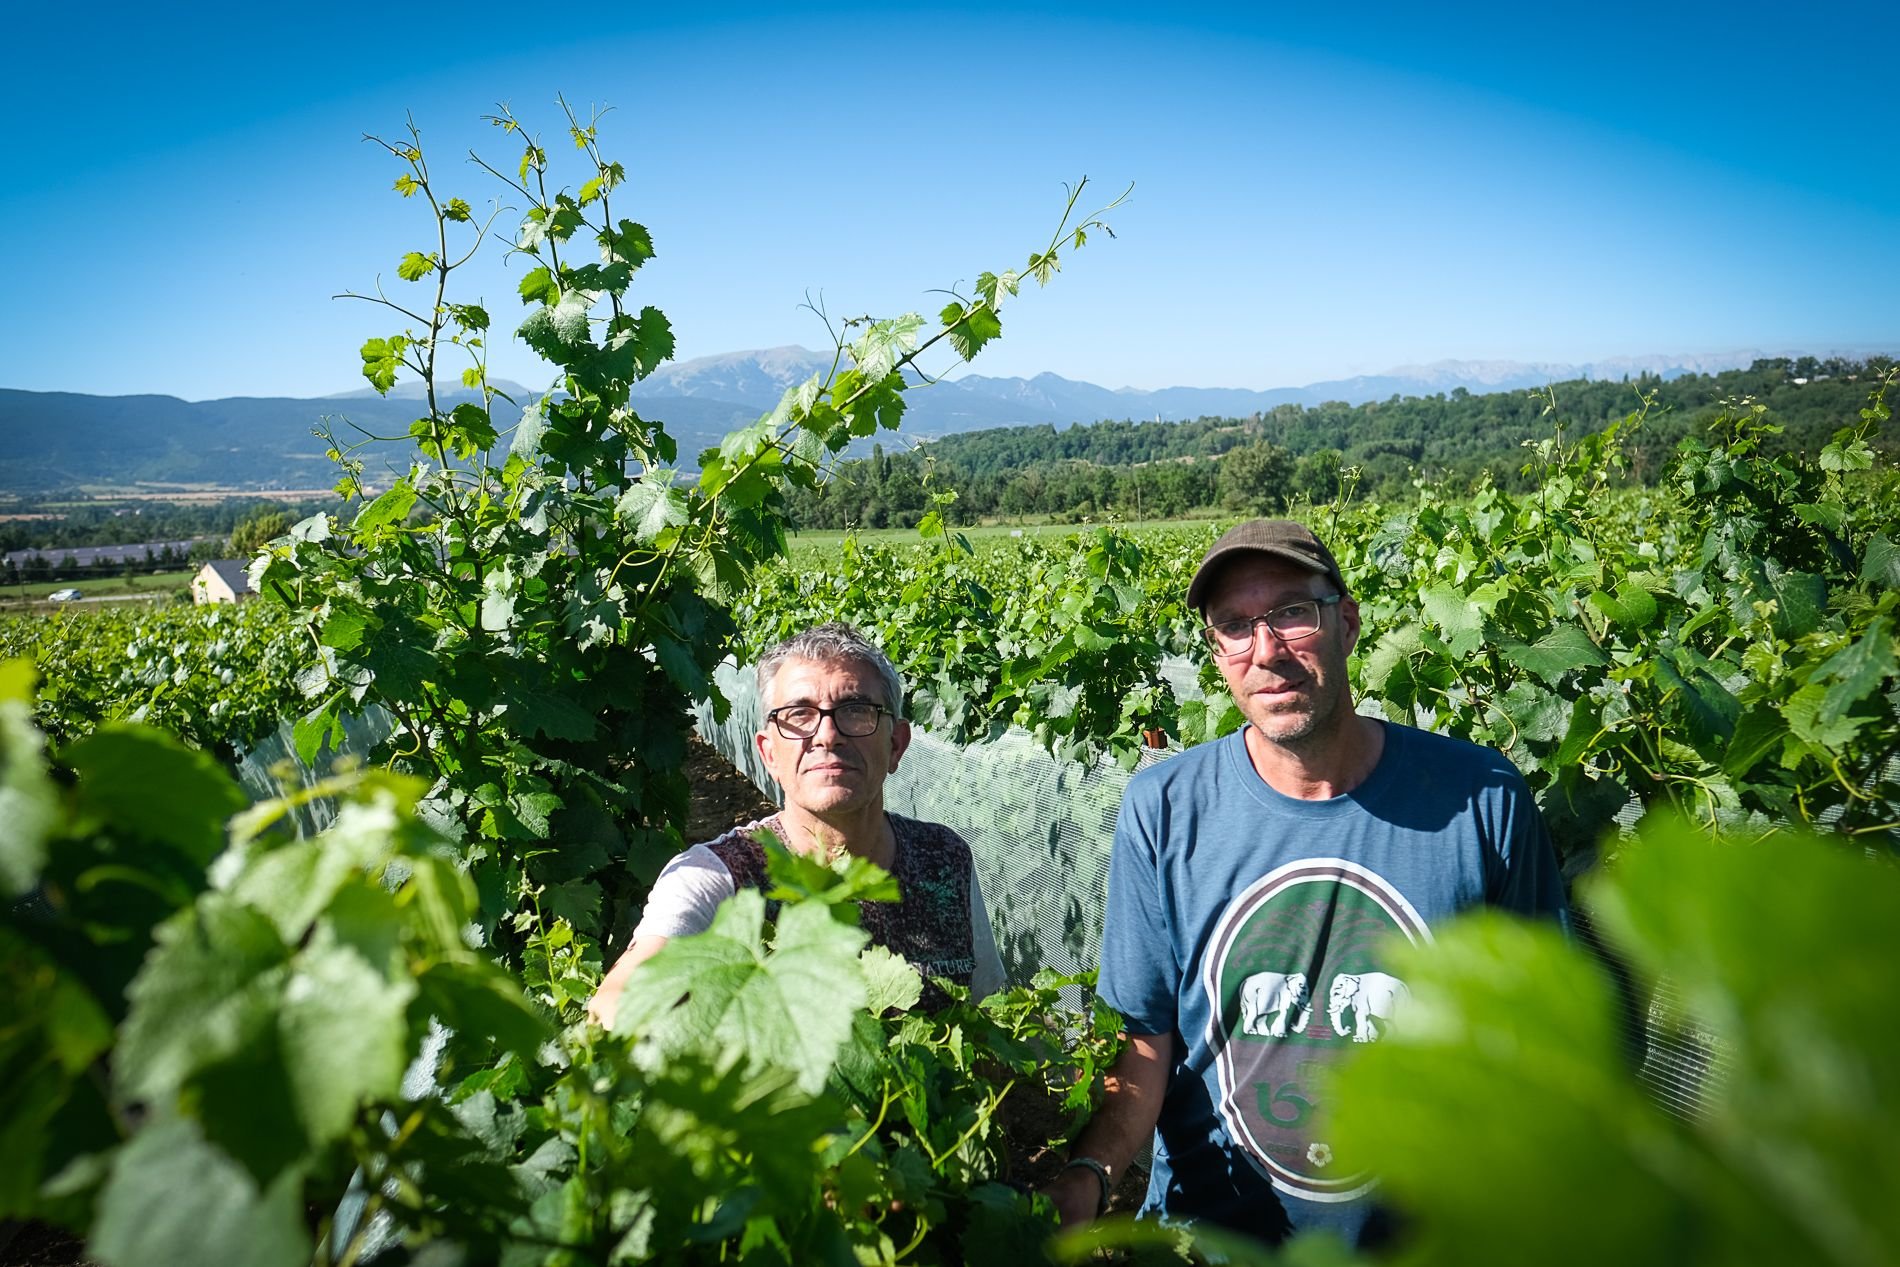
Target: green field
<point>158,587</point>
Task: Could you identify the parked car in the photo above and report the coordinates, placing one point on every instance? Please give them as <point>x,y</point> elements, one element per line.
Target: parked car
<point>63,596</point>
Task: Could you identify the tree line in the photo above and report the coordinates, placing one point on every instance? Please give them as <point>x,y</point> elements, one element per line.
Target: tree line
<point>1257,464</point>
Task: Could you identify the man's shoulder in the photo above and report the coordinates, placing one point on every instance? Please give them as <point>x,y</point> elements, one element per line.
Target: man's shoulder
<point>740,849</point>
<point>1448,750</point>
<point>1182,774</point>
<point>1189,763</point>
<point>935,836</point>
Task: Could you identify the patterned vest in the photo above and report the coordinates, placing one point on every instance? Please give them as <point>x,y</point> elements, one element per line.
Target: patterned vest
<point>929,924</point>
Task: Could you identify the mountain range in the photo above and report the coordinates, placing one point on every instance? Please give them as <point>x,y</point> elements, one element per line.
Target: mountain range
<point>65,439</point>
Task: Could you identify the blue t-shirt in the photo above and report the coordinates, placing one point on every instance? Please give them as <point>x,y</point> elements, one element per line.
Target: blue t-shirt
<point>1252,927</point>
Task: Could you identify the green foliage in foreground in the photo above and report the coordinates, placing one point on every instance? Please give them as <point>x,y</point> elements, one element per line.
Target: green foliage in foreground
<point>1505,1118</point>
<point>209,1024</point>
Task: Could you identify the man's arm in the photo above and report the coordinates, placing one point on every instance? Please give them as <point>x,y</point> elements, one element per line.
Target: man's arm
<point>606,1001</point>
<point>1114,1136</point>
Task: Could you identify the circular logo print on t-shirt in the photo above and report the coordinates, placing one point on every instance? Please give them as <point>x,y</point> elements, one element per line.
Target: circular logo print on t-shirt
<point>1295,975</point>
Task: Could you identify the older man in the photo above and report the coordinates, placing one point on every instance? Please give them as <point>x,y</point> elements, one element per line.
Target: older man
<point>833,730</point>
<point>1256,887</point>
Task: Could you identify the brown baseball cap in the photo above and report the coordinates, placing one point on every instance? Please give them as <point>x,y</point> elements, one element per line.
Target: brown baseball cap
<point>1281,539</point>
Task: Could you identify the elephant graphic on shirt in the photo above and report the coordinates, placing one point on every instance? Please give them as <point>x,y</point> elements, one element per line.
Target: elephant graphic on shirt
<point>1268,1001</point>
<point>1370,997</point>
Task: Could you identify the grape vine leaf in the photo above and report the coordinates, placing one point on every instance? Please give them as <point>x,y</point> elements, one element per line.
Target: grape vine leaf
<point>651,505</point>
<point>139,776</point>
<point>1453,612</point>
<point>1856,671</point>
<point>1564,648</point>
<point>344,1037</point>
<point>890,980</point>
<point>206,991</point>
<point>147,1218</point>
<point>792,1006</point>
<point>29,805</point>
<point>1882,565</point>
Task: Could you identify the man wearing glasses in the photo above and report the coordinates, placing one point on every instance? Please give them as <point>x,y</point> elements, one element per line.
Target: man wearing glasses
<point>1256,887</point>
<point>833,730</point>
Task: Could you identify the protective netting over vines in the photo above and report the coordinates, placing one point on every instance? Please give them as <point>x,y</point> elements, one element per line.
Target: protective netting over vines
<point>1040,827</point>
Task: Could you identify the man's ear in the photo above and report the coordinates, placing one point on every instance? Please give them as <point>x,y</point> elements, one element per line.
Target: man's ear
<point>900,740</point>
<point>1349,618</point>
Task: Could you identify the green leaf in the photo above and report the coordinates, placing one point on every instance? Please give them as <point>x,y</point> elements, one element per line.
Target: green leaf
<point>1389,658</point>
<point>344,1037</point>
<point>1558,652</point>
<point>885,343</point>
<point>470,430</point>
<point>1456,615</point>
<point>651,505</point>
<point>145,783</point>
<point>1856,671</point>
<point>1630,608</point>
<point>1706,707</point>
<point>391,507</point>
<point>549,714</point>
<point>173,1198</point>
<point>29,805</point>
<point>322,725</point>
<point>628,244</point>
<point>1759,731</point>
<point>500,589</point>
<point>381,359</point>
<point>538,285</point>
<point>1538,714</point>
<point>792,1007</point>
<point>1508,1045</point>
<point>344,629</point>
<point>476,998</point>
<point>891,983</point>
<point>800,877</point>
<point>208,990</point>
<point>1800,602</point>
<point>970,329</point>
<point>415,266</point>
<point>1881,566</point>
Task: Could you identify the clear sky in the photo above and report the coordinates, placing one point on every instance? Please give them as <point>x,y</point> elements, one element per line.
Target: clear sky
<point>1320,190</point>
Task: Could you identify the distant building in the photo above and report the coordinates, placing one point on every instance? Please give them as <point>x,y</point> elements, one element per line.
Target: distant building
<point>222,581</point>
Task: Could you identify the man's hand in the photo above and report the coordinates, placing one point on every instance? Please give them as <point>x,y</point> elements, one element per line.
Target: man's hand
<point>1077,1195</point>
<point>1132,1103</point>
<point>605,1005</point>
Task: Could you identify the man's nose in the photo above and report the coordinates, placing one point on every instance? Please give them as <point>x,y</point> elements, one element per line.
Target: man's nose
<point>1264,634</point>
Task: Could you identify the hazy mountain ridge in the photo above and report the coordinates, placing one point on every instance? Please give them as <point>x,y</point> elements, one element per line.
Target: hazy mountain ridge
<point>62,439</point>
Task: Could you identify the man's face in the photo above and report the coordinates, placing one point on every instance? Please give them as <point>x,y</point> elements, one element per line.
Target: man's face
<point>828,772</point>
<point>1295,691</point>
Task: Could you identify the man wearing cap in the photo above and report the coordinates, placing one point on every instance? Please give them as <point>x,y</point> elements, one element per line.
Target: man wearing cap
<point>1256,886</point>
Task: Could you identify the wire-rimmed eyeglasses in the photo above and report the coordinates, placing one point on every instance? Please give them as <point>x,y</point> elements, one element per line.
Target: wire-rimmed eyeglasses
<point>854,719</point>
<point>1289,623</point>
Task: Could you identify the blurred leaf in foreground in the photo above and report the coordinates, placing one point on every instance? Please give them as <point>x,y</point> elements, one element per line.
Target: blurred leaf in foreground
<point>1507,1123</point>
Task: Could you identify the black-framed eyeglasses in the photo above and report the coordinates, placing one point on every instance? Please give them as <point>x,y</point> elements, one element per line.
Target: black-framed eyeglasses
<point>854,719</point>
<point>1290,623</point>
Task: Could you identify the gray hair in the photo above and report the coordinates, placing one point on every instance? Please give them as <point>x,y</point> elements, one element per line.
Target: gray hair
<point>829,644</point>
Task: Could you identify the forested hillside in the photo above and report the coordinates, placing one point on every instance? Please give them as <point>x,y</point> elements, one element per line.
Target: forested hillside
<point>1160,469</point>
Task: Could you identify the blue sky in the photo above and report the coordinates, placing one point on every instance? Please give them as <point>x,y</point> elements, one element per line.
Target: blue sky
<point>1319,190</point>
